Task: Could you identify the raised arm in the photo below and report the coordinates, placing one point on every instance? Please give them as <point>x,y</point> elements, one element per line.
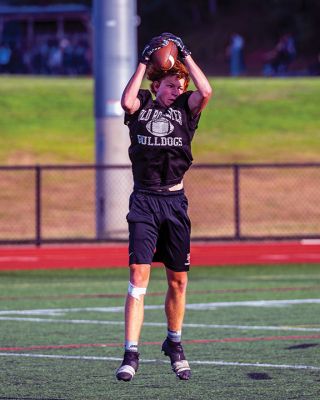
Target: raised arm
<point>129,100</point>
<point>200,97</point>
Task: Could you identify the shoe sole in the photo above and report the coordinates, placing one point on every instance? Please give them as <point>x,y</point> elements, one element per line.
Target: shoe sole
<point>124,380</point>
<point>178,376</point>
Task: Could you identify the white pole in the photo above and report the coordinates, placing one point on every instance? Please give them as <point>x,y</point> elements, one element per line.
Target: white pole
<point>115,49</point>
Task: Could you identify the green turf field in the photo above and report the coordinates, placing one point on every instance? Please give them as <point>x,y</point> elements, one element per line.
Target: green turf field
<point>50,120</point>
<point>250,333</point>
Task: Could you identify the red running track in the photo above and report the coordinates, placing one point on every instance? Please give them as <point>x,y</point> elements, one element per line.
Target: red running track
<point>204,254</point>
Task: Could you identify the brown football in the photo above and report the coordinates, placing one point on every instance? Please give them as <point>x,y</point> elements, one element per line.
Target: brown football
<point>165,57</point>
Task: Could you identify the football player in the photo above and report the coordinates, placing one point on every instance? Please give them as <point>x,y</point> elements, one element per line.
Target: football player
<point>161,129</point>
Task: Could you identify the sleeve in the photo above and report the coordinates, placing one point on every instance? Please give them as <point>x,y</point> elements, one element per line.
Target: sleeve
<point>144,96</point>
<point>182,101</point>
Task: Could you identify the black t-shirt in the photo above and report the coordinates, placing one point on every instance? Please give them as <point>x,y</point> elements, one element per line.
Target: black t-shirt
<point>160,149</point>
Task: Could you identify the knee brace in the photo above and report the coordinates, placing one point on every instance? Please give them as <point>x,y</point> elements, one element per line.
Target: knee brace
<point>136,292</point>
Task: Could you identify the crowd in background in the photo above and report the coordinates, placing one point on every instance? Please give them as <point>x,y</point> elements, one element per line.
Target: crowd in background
<point>279,59</point>
<point>47,57</point>
<point>276,62</point>
<point>74,57</point>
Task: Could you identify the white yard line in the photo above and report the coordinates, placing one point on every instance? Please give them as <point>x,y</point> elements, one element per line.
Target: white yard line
<point>198,362</point>
<point>195,306</point>
<point>160,324</point>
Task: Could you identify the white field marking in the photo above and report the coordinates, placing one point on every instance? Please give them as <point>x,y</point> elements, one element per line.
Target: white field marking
<point>195,306</point>
<point>160,324</point>
<point>310,242</point>
<point>276,257</point>
<point>255,303</point>
<point>18,258</point>
<point>70,321</point>
<point>281,277</point>
<point>198,362</point>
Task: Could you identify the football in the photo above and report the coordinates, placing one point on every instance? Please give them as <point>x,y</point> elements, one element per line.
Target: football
<point>165,57</point>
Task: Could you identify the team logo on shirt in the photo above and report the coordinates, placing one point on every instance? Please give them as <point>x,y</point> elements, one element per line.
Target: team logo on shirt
<point>160,127</point>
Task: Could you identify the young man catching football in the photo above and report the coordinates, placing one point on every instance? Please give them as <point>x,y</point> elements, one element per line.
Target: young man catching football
<point>161,131</point>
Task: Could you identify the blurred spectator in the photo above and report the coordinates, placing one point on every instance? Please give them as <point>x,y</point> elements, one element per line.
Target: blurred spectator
<point>40,58</point>
<point>279,59</point>
<point>27,60</point>
<point>55,59</point>
<point>16,65</point>
<point>47,57</point>
<point>235,55</point>
<point>5,58</point>
<point>314,68</point>
<point>68,64</point>
<point>81,58</point>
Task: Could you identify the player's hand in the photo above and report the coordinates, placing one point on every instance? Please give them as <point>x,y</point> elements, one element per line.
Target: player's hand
<point>182,48</point>
<point>155,44</point>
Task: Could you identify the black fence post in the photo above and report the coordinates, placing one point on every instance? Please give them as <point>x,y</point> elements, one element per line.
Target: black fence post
<point>38,205</point>
<point>236,185</point>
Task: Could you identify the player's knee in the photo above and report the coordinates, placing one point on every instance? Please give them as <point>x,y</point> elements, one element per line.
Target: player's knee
<point>139,275</point>
<point>178,284</point>
<point>136,292</point>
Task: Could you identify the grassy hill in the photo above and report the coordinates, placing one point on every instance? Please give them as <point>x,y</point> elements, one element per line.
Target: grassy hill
<point>50,120</point>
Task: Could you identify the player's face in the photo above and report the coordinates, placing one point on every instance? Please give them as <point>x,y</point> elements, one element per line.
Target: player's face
<point>168,89</point>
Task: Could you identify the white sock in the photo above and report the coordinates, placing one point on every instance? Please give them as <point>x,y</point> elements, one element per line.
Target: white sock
<point>131,345</point>
<point>174,336</point>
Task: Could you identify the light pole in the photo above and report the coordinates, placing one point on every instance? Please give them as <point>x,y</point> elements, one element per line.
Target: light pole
<point>115,53</point>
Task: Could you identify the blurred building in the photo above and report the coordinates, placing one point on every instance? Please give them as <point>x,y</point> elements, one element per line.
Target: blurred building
<point>50,39</point>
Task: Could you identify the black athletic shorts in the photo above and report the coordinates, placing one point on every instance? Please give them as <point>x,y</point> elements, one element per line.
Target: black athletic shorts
<point>159,229</point>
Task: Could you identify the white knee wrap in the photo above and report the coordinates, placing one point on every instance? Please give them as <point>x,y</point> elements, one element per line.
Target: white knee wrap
<point>136,292</point>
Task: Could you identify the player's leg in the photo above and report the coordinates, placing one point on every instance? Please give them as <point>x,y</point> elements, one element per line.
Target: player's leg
<point>175,309</point>
<point>175,247</point>
<point>142,241</point>
<point>176,299</point>
<point>176,253</point>
<point>134,314</point>
<point>134,307</point>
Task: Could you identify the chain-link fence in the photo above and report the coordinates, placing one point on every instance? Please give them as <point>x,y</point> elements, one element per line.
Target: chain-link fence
<point>42,204</point>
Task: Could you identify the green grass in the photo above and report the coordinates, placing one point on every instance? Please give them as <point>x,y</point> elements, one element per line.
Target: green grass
<point>58,378</point>
<point>50,120</point>
<point>46,120</point>
<point>256,120</point>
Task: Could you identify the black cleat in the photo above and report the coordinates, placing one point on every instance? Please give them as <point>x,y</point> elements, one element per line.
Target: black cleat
<point>129,366</point>
<point>179,364</point>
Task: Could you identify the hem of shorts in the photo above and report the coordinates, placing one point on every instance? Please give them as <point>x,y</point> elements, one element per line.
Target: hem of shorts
<point>185,268</point>
<point>140,262</point>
